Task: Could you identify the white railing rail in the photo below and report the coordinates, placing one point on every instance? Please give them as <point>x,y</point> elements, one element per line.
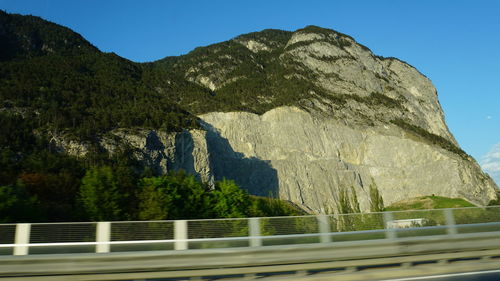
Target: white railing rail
<point>178,235</point>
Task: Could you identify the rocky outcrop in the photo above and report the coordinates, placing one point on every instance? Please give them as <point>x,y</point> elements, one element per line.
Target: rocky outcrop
<point>343,67</point>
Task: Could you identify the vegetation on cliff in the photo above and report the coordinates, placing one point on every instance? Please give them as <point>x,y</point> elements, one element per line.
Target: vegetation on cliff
<point>430,137</point>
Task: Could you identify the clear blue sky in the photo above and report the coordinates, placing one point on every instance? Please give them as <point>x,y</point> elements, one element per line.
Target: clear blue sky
<point>455,43</point>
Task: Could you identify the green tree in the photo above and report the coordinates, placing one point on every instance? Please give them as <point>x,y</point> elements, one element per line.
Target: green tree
<point>376,201</point>
<point>56,194</point>
<point>154,202</point>
<point>16,205</point>
<point>229,200</point>
<point>271,207</point>
<point>354,201</point>
<point>100,195</point>
<point>173,196</point>
<point>347,204</point>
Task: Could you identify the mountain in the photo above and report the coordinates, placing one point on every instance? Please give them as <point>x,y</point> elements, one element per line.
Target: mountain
<point>305,116</point>
<point>26,37</point>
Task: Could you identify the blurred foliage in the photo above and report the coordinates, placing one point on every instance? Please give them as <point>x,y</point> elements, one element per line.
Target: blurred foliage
<point>100,194</point>
<point>173,196</point>
<point>178,195</point>
<point>16,205</point>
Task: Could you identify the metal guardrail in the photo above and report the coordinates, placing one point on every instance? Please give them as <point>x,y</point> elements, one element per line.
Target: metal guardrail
<point>105,237</point>
<point>348,260</point>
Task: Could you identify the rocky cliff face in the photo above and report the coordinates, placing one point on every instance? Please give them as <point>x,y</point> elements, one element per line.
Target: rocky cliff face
<point>353,120</point>
<point>306,159</point>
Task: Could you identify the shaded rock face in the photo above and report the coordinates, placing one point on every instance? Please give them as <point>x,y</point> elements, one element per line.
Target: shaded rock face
<point>163,152</point>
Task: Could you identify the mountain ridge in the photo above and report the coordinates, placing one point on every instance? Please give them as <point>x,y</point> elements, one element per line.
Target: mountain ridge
<point>36,37</point>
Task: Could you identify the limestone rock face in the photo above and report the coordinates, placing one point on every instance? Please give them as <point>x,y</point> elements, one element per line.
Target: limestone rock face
<point>307,160</point>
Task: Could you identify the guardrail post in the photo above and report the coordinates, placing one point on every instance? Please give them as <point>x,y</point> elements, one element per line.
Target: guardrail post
<point>324,228</point>
<point>390,233</point>
<point>180,235</point>
<point>22,239</point>
<point>254,232</point>
<point>450,221</point>
<point>103,236</point>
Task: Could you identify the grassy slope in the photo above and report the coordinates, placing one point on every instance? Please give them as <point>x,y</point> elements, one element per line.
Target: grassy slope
<point>429,202</point>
